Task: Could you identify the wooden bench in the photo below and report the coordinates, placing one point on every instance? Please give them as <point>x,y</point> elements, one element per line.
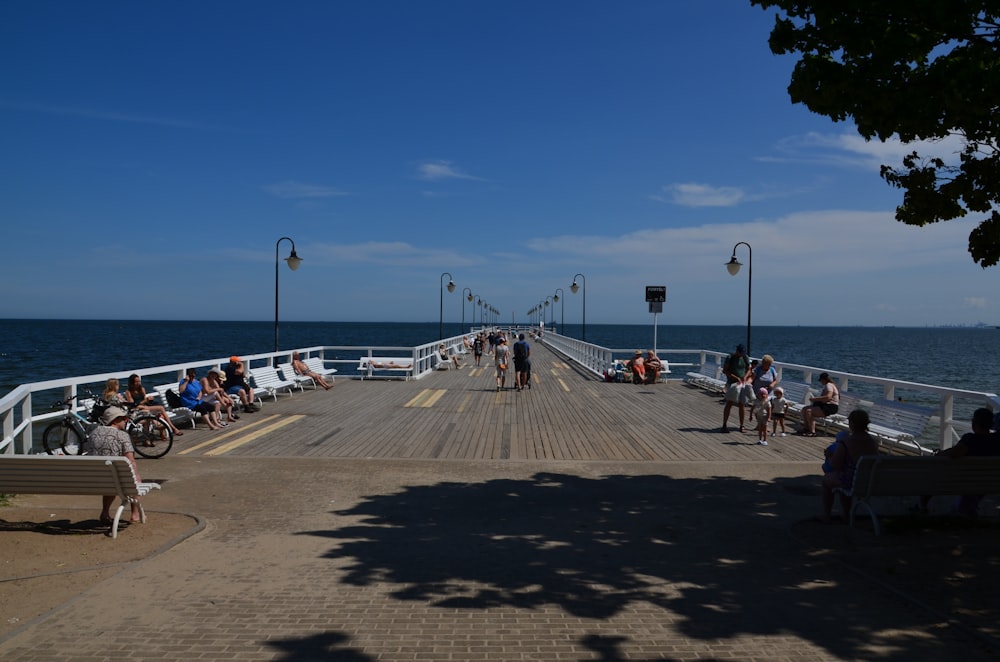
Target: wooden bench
<point>267,379</point>
<point>74,474</point>
<point>400,364</point>
<point>707,377</point>
<point>885,475</point>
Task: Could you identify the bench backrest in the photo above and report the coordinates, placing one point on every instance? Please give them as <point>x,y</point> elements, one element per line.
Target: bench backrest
<point>69,474</point>
<point>266,375</point>
<point>712,371</point>
<point>315,364</point>
<point>848,403</point>
<point>905,418</point>
<point>908,476</point>
<point>796,392</point>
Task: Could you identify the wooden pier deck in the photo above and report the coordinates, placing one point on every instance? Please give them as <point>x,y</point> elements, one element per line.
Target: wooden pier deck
<point>568,414</point>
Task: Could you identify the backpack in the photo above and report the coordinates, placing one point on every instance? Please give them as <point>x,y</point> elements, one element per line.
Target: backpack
<point>173,400</point>
<point>520,350</point>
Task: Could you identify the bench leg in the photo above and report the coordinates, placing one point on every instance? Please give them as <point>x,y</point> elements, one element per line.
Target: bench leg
<point>117,519</point>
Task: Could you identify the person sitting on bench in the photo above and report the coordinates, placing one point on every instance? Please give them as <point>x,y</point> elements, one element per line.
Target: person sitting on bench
<point>978,443</point>
<point>110,439</point>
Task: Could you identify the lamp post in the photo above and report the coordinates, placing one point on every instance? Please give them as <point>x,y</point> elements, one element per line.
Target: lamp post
<point>734,268</point>
<point>552,314</point>
<point>464,298</point>
<point>573,288</point>
<point>293,261</point>
<point>562,308</point>
<point>479,303</point>
<point>451,288</point>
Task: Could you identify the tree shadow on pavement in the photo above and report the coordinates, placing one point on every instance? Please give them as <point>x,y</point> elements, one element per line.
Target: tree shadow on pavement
<point>714,554</point>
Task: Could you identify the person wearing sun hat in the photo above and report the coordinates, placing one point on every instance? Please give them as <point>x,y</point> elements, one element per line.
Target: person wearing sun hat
<point>110,439</point>
<point>638,367</point>
<point>236,384</point>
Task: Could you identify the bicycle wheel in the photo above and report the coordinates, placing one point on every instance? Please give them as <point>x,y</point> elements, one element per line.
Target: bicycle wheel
<point>151,437</point>
<point>60,438</point>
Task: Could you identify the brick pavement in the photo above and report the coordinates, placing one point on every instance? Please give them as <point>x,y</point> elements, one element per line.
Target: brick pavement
<point>402,560</point>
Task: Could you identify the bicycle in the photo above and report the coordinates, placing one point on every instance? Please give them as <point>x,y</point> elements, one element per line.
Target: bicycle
<point>151,437</point>
<point>67,435</point>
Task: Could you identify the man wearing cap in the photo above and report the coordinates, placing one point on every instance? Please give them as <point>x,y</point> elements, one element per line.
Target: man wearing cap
<point>110,439</point>
<point>236,384</point>
<point>735,368</point>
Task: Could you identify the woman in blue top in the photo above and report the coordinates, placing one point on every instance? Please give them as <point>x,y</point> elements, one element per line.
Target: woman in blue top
<point>189,390</point>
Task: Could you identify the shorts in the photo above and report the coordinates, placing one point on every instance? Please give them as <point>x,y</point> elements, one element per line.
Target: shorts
<point>828,408</point>
<point>778,417</point>
<point>234,390</point>
<point>521,365</point>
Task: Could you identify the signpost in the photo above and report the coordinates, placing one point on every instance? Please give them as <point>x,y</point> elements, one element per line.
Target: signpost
<point>655,296</point>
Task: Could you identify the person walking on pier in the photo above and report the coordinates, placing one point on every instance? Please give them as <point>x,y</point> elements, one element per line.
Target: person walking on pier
<point>522,364</point>
<point>735,368</point>
<point>501,355</point>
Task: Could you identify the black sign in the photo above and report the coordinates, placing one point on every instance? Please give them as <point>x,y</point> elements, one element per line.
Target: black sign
<point>656,293</point>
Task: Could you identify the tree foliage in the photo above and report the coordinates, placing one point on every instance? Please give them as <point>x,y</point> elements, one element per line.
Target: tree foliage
<point>916,69</point>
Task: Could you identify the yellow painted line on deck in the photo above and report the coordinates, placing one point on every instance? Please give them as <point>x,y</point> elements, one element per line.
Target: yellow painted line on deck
<point>236,443</point>
<point>426,398</point>
<point>465,401</point>
<point>226,435</point>
<point>563,384</point>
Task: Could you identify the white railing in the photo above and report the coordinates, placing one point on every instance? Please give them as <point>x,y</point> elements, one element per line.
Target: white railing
<point>20,420</point>
<point>25,411</point>
<point>950,420</point>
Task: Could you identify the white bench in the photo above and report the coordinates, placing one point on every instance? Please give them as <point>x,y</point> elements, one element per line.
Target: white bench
<point>707,377</point>
<point>315,364</point>
<point>797,394</point>
<point>177,414</point>
<point>288,372</point>
<point>401,364</point>
<point>848,403</point>
<point>267,379</point>
<point>885,475</point>
<point>900,425</point>
<point>441,363</point>
<point>74,474</point>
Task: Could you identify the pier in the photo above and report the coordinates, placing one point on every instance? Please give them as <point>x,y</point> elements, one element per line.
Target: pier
<point>439,519</point>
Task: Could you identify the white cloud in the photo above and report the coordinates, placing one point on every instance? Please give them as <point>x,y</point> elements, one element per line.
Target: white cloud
<point>852,150</point>
<point>106,115</point>
<point>436,171</point>
<point>702,195</point>
<point>297,190</point>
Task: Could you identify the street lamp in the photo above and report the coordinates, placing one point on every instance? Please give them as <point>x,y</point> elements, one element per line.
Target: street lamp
<point>573,288</point>
<point>293,261</point>
<point>451,288</point>
<point>734,268</point>
<point>469,298</point>
<point>552,315</point>
<point>562,313</point>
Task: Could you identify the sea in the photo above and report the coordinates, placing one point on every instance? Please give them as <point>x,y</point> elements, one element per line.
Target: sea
<point>40,350</point>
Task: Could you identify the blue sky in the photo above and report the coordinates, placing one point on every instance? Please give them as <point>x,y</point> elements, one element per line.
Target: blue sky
<point>154,152</point>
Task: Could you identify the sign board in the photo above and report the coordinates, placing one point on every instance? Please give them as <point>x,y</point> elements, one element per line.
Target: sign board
<point>656,307</point>
<point>656,293</point>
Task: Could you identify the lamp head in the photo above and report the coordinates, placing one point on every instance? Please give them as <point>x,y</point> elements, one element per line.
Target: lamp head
<point>555,298</point>
<point>469,298</point>
<point>733,266</point>
<point>293,261</point>
<point>574,288</point>
<point>451,286</point>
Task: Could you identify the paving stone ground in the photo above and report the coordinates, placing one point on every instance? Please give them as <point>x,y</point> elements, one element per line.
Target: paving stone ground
<point>317,558</point>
